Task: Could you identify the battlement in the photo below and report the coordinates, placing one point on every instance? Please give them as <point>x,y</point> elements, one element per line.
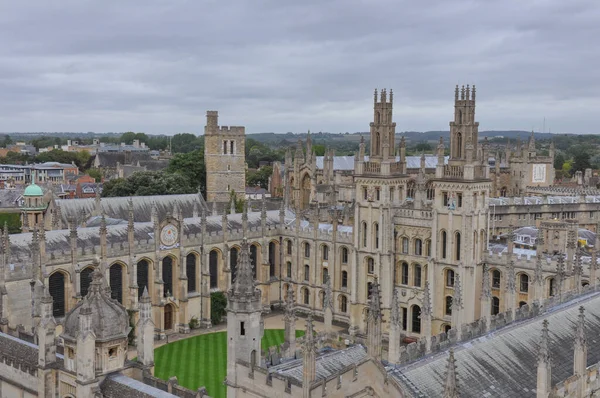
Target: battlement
<point>383,98</point>
<point>463,94</point>
<point>231,130</point>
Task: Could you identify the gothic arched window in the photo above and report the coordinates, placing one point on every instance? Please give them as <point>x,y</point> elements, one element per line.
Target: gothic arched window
<point>142,276</point>
<point>116,282</point>
<point>344,279</point>
<point>190,270</point>
<point>457,246</point>
<point>444,240</point>
<point>495,305</point>
<point>496,279</point>
<point>56,286</point>
<point>167,275</point>
<point>416,319</point>
<point>85,278</point>
<point>213,268</point>
<point>448,308</point>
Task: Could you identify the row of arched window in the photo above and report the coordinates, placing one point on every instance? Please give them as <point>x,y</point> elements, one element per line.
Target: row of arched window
<point>324,253</point>
<point>305,294</point>
<point>365,235</point>
<point>418,247</point>
<point>402,275</point>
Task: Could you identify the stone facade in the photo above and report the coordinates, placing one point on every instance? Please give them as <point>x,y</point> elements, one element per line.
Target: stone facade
<point>224,155</point>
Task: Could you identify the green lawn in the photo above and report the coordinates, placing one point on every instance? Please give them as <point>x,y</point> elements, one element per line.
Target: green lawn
<point>202,360</point>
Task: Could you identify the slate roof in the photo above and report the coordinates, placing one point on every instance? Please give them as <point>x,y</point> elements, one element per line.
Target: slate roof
<point>504,363</point>
<point>118,386</point>
<point>58,241</point>
<point>19,350</point>
<point>329,363</point>
<point>110,159</point>
<point>142,206</point>
<point>9,198</point>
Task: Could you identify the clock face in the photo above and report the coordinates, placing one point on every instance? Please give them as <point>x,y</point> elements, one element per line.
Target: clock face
<point>169,235</point>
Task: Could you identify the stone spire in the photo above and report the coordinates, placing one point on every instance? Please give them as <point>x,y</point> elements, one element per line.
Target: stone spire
<point>511,277</point>
<point>511,287</point>
<point>544,366</point>
<point>451,381</point>
<point>232,205</point>
<point>244,279</point>
<point>45,332</point>
<point>486,296</point>
<point>395,315</point>
<point>538,278</point>
<point>457,307</point>
<point>560,274</point>
<point>309,353</point>
<point>581,346</point>
<point>196,210</point>
<point>245,220</point>
<point>328,306</point>
<point>426,313</point>
<point>578,270</point>
<point>290,322</point>
<point>374,323</point>
<point>395,328</point>
<point>154,215</point>
<point>486,287</point>
<point>130,214</point>
<point>145,331</point>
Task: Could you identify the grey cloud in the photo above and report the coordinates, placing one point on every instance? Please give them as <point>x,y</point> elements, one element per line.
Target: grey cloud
<point>274,65</point>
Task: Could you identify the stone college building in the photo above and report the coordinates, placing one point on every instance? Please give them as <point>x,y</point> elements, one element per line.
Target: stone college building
<point>431,264</point>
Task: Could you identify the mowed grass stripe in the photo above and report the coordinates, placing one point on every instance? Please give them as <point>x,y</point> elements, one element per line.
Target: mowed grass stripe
<point>202,360</point>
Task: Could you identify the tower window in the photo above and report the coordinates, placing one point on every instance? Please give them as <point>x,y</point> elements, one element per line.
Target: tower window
<point>231,147</point>
<point>242,329</point>
<point>225,147</point>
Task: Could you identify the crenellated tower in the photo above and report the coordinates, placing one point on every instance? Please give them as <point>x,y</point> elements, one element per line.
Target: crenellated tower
<point>224,155</point>
<point>464,130</point>
<point>383,129</point>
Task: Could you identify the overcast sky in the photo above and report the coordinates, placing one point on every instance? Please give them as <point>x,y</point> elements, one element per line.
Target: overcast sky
<point>287,65</point>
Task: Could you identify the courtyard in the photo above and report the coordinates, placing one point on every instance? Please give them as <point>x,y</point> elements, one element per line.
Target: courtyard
<point>201,360</point>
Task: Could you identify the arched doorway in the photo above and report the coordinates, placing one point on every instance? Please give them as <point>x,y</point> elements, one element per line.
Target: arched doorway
<point>169,317</point>
<point>56,286</point>
<point>85,278</point>
<point>116,282</point>
<point>305,192</point>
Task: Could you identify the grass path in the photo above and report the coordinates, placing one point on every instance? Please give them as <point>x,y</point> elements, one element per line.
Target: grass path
<point>202,360</point>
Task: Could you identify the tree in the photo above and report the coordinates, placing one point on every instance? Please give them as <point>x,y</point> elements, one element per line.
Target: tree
<point>237,202</point>
<point>581,161</point>
<point>218,307</point>
<point>319,149</point>
<point>422,147</point>
<point>7,141</point>
<point>146,183</point>
<point>559,159</point>
<point>58,155</point>
<point>259,177</point>
<point>192,166</point>
<point>186,142</point>
<point>96,174</point>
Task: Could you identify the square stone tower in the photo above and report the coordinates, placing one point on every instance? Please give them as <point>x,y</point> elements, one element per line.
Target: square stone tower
<point>224,154</point>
